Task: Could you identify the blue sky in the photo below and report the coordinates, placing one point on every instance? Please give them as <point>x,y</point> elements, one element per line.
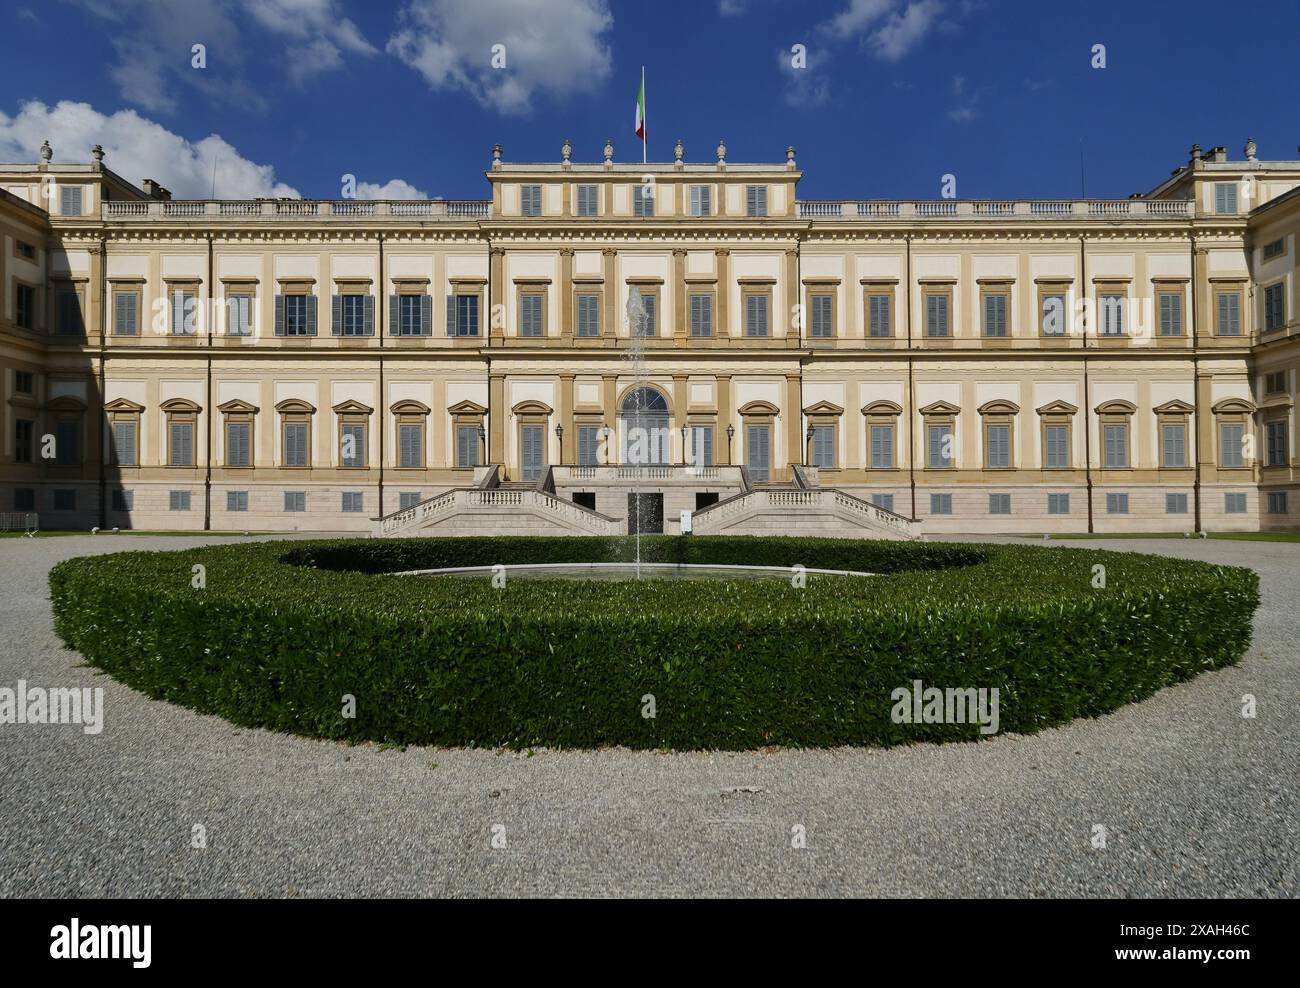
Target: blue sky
<point>895,93</point>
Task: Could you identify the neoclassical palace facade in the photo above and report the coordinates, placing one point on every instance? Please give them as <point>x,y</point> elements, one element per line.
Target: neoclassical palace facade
<point>604,345</point>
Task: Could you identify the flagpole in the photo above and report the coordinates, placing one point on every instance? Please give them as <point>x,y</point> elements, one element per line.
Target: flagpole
<point>645,129</point>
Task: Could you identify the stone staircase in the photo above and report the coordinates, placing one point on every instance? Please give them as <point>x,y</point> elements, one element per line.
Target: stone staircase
<point>801,507</point>
<point>494,508</point>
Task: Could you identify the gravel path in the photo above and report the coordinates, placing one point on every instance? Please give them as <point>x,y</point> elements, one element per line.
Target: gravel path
<point>1196,800</point>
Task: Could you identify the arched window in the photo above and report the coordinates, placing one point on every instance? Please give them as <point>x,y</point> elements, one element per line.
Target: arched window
<point>643,423</point>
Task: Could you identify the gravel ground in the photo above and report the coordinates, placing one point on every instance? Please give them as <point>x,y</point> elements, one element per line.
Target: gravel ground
<point>1196,799</point>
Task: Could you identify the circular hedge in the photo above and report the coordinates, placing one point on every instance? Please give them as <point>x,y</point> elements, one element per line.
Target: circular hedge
<point>279,633</point>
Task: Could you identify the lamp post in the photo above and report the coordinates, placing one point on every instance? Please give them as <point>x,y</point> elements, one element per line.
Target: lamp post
<point>604,431</point>
<point>731,431</point>
<point>683,445</point>
<point>559,435</point>
<point>482,442</point>
<point>807,446</point>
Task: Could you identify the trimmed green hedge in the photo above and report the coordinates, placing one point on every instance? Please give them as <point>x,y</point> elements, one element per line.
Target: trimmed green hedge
<point>284,630</point>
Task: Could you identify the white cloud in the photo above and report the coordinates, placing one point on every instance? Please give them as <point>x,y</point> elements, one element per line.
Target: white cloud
<point>808,86</point>
<point>905,30</point>
<point>394,188</point>
<point>732,8</point>
<point>965,110</point>
<point>152,40</point>
<point>888,29</point>
<point>136,149</point>
<point>557,48</point>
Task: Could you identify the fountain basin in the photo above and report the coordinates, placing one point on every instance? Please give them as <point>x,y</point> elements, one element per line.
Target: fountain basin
<point>633,571</point>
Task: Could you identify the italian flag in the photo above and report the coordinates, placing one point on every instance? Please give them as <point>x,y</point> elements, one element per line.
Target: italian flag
<point>640,114</point>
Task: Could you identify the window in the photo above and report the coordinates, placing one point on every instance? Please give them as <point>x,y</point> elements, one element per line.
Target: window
<point>823,316</point>
<point>236,500</point>
<point>530,200</point>
<point>999,504</point>
<point>939,451</point>
<point>1171,313</point>
<point>1234,503</point>
<point>1112,313</point>
<point>885,501</point>
<point>67,442</point>
<point>295,500</point>
<point>1115,446</point>
<point>822,446</point>
<point>756,200</point>
<point>531,309</point>
<point>1116,504</point>
<point>69,312</point>
<point>352,444</point>
<point>407,499</point>
<point>24,382</point>
<point>1056,447</point>
<point>1175,504</point>
<point>1274,307</point>
<point>123,500</point>
<point>295,315</point>
<point>24,444</point>
<point>997,447</point>
<point>410,445</point>
<point>184,305</point>
<point>180,450</point>
<point>467,445</point>
<point>588,315</point>
<point>354,314</point>
<point>1058,504</point>
<point>1231,445</point>
<point>412,315</point>
<point>296,449</point>
<point>1052,304</point>
<point>646,322</point>
<point>1225,197</point>
<point>238,444</point>
<point>879,321</point>
<point>1227,307</point>
<point>1173,445</point>
<point>70,200</point>
<point>996,304</point>
<point>25,250</point>
<point>462,315</point>
<point>588,445</point>
<point>1275,249</point>
<point>701,200</point>
<point>756,313</point>
<point>239,315</point>
<point>126,313</point>
<point>882,447</point>
<point>24,499</point>
<point>65,499</point>
<point>940,504</point>
<point>701,314</point>
<point>643,199</point>
<point>178,500</point>
<point>25,306</point>
<point>937,305</point>
<point>588,200</point>
<point>702,445</point>
<point>587,499</point>
<point>353,501</point>
<point>1274,383</point>
<point>1277,502</point>
<point>1276,447</point>
<point>125,446</point>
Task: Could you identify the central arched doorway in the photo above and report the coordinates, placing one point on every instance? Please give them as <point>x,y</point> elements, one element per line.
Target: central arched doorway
<point>643,428</point>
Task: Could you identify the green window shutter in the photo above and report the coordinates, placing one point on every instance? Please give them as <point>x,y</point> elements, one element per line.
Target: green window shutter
<point>394,315</point>
<point>451,315</point>
<point>336,315</point>
<point>311,315</point>
<point>426,315</point>
<point>279,315</point>
<point>369,328</point>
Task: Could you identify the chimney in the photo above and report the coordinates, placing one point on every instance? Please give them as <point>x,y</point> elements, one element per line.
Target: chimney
<point>155,191</point>
<point>1218,154</point>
